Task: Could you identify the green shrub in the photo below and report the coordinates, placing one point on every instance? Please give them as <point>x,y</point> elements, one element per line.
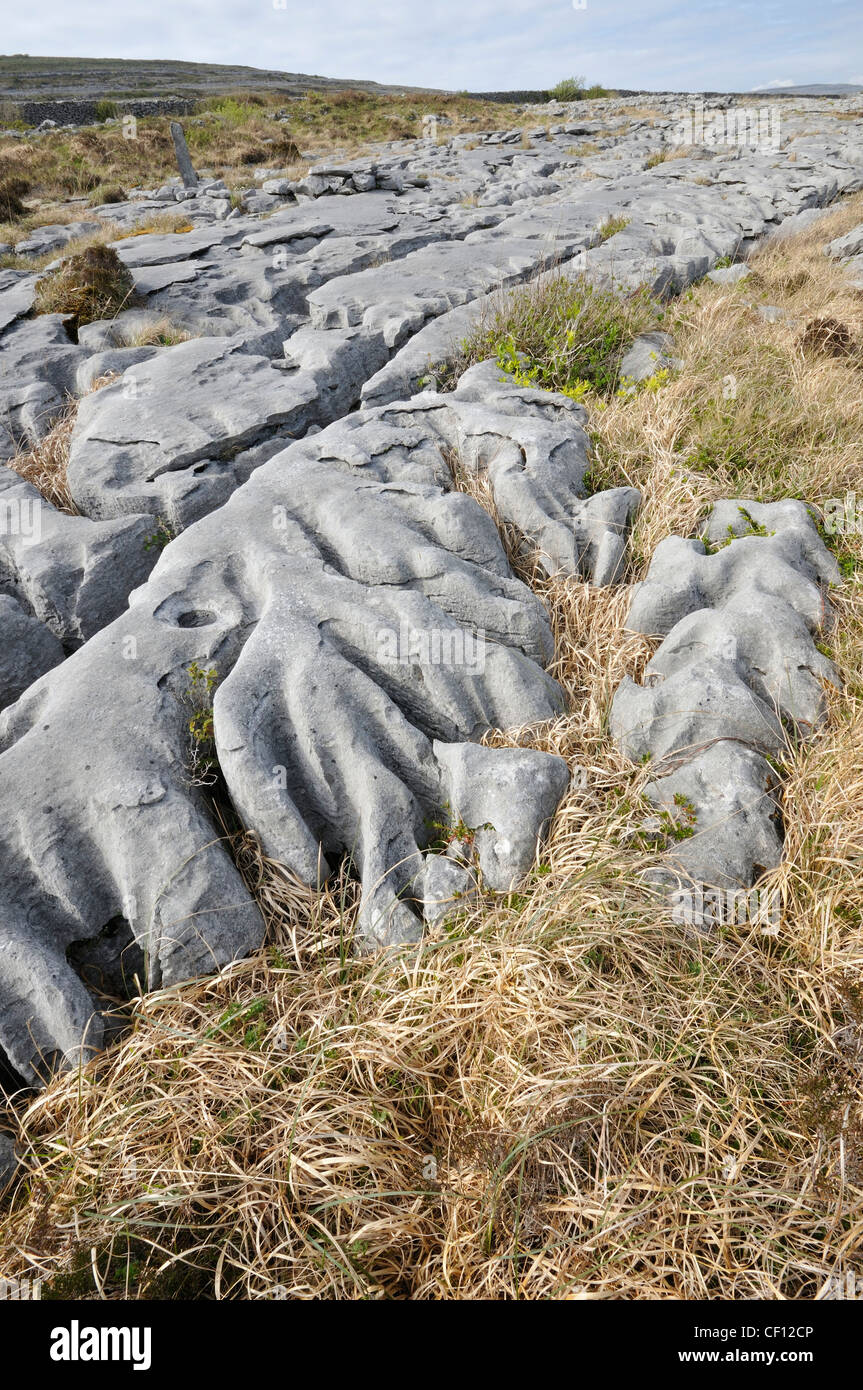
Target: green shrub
<point>234,113</point>
<point>563,335</point>
<point>570,89</point>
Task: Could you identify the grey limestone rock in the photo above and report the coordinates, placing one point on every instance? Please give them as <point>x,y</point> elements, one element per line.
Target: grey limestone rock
<point>53,238</point>
<point>28,650</point>
<point>649,354</point>
<point>844,247</point>
<point>445,888</point>
<point>38,362</point>
<point>531,447</point>
<point>684,577</point>
<point>363,620</point>
<point>738,670</point>
<point>734,793</point>
<point>178,432</point>
<point>72,574</point>
<point>17,289</point>
<point>729,275</point>
<point>507,796</point>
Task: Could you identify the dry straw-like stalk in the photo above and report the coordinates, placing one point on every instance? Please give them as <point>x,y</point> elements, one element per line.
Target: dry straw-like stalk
<point>45,463</point>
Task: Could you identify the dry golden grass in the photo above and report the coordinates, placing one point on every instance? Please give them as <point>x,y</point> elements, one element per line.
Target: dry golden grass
<point>754,413</point>
<point>90,285</point>
<point>44,465</point>
<point>159,331</point>
<point>562,1095</point>
<point>637,113</point>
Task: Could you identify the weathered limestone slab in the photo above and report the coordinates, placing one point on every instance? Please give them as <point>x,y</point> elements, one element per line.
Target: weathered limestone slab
<point>176,434</point>
<point>738,672</point>
<point>362,618</point>
<point>184,159</point>
<point>72,574</point>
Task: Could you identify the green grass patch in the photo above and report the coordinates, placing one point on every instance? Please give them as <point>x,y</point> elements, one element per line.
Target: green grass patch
<point>563,335</point>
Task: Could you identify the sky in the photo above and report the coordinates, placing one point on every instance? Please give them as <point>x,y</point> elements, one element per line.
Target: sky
<point>475,45</point>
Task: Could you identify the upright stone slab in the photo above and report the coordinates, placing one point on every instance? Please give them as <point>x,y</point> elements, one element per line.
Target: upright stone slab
<point>184,159</point>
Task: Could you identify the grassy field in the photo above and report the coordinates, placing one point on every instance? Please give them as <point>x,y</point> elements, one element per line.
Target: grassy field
<point>563,1094</point>
<point>229,137</point>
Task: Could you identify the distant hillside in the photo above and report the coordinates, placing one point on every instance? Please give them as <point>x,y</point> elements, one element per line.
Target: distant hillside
<point>813,89</point>
<point>23,77</point>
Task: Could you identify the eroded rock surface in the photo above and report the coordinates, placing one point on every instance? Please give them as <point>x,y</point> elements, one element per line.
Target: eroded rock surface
<point>739,670</point>
<point>358,610</point>
<point>365,625</point>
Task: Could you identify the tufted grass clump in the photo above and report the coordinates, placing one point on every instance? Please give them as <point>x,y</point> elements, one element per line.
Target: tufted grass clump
<point>108,193</point>
<point>12,190</point>
<point>611,226</point>
<point>95,284</point>
<point>562,334</point>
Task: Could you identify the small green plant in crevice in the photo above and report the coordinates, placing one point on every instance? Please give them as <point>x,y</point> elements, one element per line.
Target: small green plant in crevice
<point>713,547</point>
<point>836,543</point>
<point>753,528</point>
<point>162,536</point>
<point>847,562</point>
<point>679,824</point>
<point>439,376</point>
<point>562,335</point>
<point>203,761</point>
<point>611,226</point>
<point>449,831</point>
